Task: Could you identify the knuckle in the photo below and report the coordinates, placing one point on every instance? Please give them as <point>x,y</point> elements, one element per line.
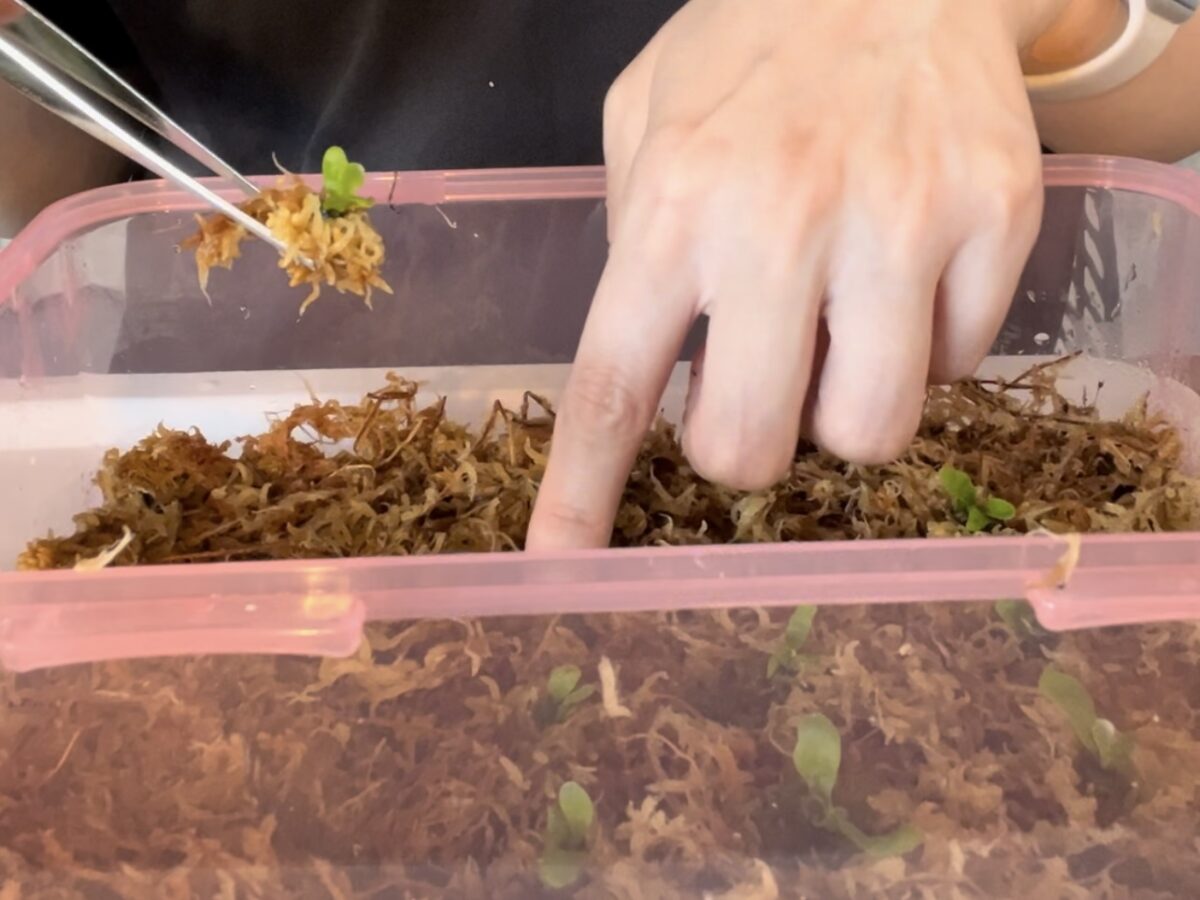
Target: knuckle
<point>618,100</point>
<point>601,402</point>
<point>909,235</point>
<point>659,154</point>
<point>950,365</point>
<point>802,205</point>
<point>1001,206</point>
<point>866,440</point>
<point>555,520</point>
<point>559,524</point>
<point>732,461</point>
<point>1012,196</point>
<point>677,164</point>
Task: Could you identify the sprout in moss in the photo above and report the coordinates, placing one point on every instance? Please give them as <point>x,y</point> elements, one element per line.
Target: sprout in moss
<point>341,180</point>
<point>563,693</point>
<point>1098,736</point>
<point>975,514</point>
<point>788,655</point>
<point>818,760</point>
<point>564,849</point>
<point>1020,618</point>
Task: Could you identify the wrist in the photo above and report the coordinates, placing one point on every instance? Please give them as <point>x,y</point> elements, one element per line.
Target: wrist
<point>1075,32</point>
<point>1029,20</point>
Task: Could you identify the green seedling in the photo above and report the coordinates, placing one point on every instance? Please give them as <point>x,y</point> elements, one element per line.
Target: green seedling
<point>1019,617</point>
<point>788,654</point>
<point>970,511</point>
<point>563,694</point>
<point>1099,736</point>
<point>564,849</point>
<point>818,760</point>
<point>342,181</point>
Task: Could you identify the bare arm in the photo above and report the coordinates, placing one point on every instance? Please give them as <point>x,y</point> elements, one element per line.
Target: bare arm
<point>1154,116</point>
<point>43,159</point>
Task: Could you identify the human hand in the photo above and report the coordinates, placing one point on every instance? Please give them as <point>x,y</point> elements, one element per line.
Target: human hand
<point>849,191</point>
<point>9,12</point>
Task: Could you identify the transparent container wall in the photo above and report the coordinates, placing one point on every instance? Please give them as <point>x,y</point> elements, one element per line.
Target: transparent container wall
<point>509,282</point>
<point>425,766</point>
<point>502,276</point>
<point>474,282</point>
<point>1111,275</point>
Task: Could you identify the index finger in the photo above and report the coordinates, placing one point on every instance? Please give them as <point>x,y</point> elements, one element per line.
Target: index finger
<point>633,335</point>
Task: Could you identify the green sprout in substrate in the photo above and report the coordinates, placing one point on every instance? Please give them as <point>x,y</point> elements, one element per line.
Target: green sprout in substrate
<point>976,515</point>
<point>818,759</point>
<point>1020,618</point>
<point>788,654</point>
<point>563,693</point>
<point>1111,748</point>
<point>342,181</point>
<point>564,849</point>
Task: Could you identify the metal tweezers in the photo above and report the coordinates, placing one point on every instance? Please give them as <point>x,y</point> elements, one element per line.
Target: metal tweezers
<point>49,67</point>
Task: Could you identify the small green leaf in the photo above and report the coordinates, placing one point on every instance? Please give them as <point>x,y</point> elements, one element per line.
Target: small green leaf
<point>565,840</point>
<point>342,180</point>
<point>958,486</point>
<point>1114,749</point>
<point>977,520</point>
<point>1000,510</point>
<point>818,755</point>
<point>898,842</point>
<point>786,655</point>
<point>572,700</point>
<point>558,832</point>
<point>799,626</point>
<point>560,868</point>
<point>562,681</point>
<point>578,695</point>
<point>1073,699</point>
<point>577,811</point>
<point>777,660</point>
<point>1018,616</point>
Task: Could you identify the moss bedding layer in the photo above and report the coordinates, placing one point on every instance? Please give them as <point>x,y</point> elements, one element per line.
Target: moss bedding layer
<point>424,766</point>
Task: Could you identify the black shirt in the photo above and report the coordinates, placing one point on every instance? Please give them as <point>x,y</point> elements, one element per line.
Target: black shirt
<point>417,84</point>
<point>403,84</point>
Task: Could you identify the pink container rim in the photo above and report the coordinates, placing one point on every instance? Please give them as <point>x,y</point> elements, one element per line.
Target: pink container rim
<point>319,607</point>
<point>69,216</point>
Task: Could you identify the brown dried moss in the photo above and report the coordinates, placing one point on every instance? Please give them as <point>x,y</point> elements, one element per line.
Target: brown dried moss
<point>345,252</point>
<point>388,477</point>
<point>420,767</point>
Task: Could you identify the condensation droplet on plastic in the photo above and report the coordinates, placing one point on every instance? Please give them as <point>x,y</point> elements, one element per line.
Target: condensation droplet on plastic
<point>491,84</point>
<point>1041,338</point>
<point>251,607</point>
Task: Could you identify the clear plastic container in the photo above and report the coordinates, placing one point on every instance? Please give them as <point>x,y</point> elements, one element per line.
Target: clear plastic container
<point>104,333</point>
